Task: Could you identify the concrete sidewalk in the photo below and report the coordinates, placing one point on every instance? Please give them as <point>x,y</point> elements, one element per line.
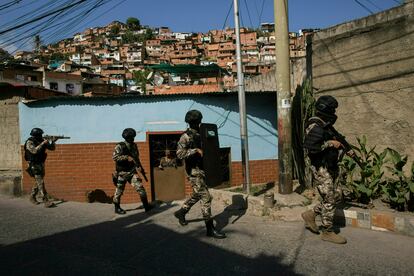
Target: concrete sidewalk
<point>81,238</point>
<point>290,207</point>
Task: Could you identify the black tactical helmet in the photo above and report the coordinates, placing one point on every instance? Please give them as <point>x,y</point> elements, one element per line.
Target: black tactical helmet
<point>193,116</point>
<point>129,133</point>
<point>326,104</point>
<point>36,132</point>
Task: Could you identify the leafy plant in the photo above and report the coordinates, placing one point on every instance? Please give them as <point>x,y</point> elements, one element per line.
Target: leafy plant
<point>399,191</point>
<point>365,177</point>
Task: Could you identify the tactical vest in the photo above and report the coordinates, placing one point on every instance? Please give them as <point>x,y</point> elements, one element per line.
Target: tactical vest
<point>194,161</point>
<point>328,157</point>
<point>39,157</point>
<point>125,165</point>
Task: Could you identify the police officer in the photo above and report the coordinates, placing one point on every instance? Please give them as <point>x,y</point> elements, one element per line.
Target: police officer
<point>189,149</point>
<point>126,157</point>
<point>35,153</point>
<point>323,151</point>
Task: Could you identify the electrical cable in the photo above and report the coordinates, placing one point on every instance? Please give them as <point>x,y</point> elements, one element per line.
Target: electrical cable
<point>18,7</point>
<point>32,13</point>
<point>248,13</point>
<point>41,17</point>
<point>363,6</point>
<point>68,22</point>
<point>375,5</point>
<point>261,12</point>
<point>45,26</point>
<point>228,13</point>
<point>9,4</point>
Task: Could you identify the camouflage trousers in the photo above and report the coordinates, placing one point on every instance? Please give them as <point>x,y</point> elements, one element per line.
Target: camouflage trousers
<point>329,189</point>
<point>200,193</point>
<point>123,178</point>
<point>37,171</point>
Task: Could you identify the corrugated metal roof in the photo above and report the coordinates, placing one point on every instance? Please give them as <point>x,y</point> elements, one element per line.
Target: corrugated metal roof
<point>138,95</point>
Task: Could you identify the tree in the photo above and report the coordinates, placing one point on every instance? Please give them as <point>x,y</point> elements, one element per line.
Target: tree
<point>37,43</point>
<point>59,56</point>
<point>130,37</point>
<point>148,34</point>
<point>141,79</point>
<point>4,55</point>
<point>115,30</point>
<point>133,23</point>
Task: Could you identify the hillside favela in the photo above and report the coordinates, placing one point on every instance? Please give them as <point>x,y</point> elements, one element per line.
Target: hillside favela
<point>130,58</point>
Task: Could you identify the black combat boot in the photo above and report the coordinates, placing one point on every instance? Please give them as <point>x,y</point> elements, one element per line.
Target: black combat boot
<point>47,202</point>
<point>212,232</point>
<point>118,209</point>
<point>34,200</point>
<point>145,203</point>
<point>180,214</point>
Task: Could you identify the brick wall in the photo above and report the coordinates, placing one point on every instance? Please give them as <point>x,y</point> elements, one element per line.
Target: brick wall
<point>261,171</point>
<point>74,169</point>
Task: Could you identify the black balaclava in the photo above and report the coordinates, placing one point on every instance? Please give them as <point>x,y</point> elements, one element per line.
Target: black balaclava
<point>325,109</point>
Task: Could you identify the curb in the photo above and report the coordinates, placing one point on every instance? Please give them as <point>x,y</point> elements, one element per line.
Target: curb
<point>377,220</point>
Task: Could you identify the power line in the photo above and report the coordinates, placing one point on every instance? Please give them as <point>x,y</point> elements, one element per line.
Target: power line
<point>43,26</point>
<point>68,24</point>
<point>228,13</point>
<point>375,5</point>
<point>363,6</point>
<point>63,31</point>
<point>18,7</point>
<point>32,13</point>
<point>248,13</point>
<point>261,12</point>
<point>9,4</point>
<point>40,17</point>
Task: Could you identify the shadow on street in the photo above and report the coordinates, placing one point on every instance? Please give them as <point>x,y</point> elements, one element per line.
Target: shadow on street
<point>132,245</point>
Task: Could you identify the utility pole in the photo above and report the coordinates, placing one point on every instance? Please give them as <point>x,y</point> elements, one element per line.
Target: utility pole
<point>283,96</point>
<point>242,103</point>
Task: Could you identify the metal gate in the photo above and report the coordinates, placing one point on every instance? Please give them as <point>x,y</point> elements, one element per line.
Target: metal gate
<point>168,172</point>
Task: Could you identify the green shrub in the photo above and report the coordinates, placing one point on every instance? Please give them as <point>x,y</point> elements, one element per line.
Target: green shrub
<point>399,190</point>
<point>365,177</point>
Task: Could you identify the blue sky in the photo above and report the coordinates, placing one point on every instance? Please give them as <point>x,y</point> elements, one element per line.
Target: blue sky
<point>198,15</point>
<point>201,16</point>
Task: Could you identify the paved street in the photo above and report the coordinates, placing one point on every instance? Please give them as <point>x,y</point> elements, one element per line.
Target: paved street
<point>80,238</point>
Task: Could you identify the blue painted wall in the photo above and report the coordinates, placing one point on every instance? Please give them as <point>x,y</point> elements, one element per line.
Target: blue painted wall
<point>96,120</point>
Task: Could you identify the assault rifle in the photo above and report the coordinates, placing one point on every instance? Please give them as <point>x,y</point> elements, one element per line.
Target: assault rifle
<point>143,174</point>
<point>346,146</point>
<point>136,168</point>
<point>54,137</point>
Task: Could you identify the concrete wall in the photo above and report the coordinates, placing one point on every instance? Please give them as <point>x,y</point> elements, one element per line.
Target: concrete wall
<point>267,82</point>
<point>9,134</point>
<point>368,65</point>
<point>10,155</point>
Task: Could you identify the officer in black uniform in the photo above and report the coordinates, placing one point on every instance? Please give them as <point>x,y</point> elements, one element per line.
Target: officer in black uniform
<point>126,157</point>
<point>35,153</point>
<point>324,150</point>
<point>189,149</point>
